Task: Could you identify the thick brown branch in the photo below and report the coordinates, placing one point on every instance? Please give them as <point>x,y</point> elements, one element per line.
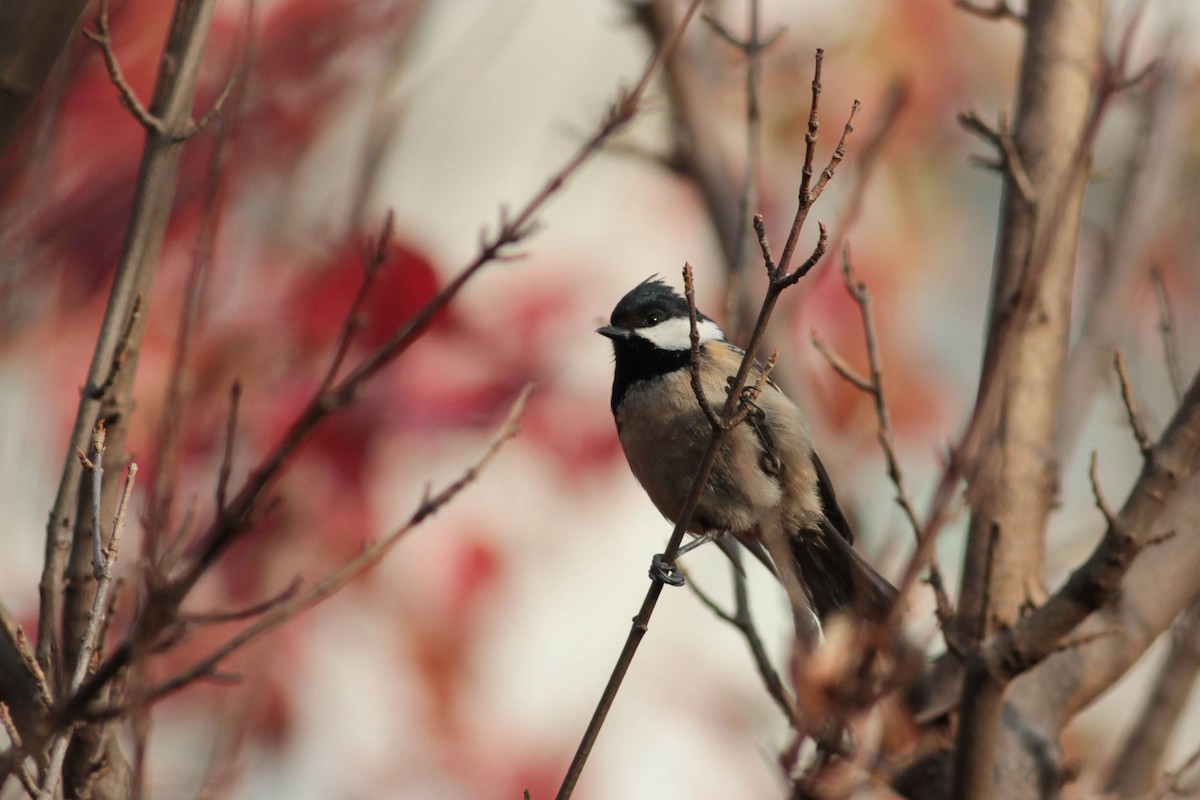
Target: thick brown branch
<point>1099,578</point>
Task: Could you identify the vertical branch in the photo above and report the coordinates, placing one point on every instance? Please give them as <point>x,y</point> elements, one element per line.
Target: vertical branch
<point>752,46</point>
<point>108,380</point>
<point>1013,482</point>
<point>97,616</point>
<point>67,590</point>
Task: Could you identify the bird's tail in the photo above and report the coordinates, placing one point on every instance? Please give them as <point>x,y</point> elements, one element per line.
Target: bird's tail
<point>839,579</point>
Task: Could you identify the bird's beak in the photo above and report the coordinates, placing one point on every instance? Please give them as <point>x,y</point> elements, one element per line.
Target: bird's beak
<point>613,332</point>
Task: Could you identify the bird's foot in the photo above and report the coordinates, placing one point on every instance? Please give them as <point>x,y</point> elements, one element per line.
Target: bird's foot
<point>665,572</point>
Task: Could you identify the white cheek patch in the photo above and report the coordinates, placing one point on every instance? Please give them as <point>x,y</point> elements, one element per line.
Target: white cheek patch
<point>676,334</point>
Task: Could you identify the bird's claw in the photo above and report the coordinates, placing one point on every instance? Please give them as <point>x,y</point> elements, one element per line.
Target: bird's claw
<point>664,572</point>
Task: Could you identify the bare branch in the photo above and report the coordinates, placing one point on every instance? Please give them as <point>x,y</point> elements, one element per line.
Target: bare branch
<point>760,228</point>
<point>289,603</point>
<point>742,620</point>
<point>214,111</point>
<point>1135,421</point>
<point>374,256</point>
<point>839,152</point>
<point>840,365</point>
<point>1010,160</point>
<point>129,98</point>
<point>808,193</point>
<point>240,508</point>
<point>887,441</point>
<point>96,619</point>
<point>235,396</point>
<point>237,615</point>
<point>1020,647</point>
<point>95,465</point>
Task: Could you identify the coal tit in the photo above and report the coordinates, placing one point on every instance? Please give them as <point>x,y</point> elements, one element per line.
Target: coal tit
<point>765,470</point>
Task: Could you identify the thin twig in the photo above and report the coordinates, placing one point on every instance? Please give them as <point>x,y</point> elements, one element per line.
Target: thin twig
<point>1110,518</point>
<point>120,354</point>
<point>752,47</point>
<point>841,366</point>
<point>808,193</point>
<point>1166,330</point>
<point>1145,445</point>
<point>1010,162</point>
<point>874,386</point>
<point>288,604</point>
<point>742,620</point>
<point>214,111</point>
<point>239,614</point>
<point>374,256</point>
<point>128,96</point>
<point>226,469</point>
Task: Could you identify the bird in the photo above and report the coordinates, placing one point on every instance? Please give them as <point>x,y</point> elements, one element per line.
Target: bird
<point>766,476</point>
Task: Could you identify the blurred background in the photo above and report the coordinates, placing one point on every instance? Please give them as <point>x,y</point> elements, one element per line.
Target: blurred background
<point>468,663</point>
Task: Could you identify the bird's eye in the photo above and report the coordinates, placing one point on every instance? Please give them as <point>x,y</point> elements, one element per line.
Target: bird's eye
<point>653,318</point>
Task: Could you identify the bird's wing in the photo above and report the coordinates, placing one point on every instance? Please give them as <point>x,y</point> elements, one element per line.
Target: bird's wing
<point>829,503</point>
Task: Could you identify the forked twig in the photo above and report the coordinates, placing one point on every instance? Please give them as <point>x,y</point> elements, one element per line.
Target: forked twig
<point>128,96</point>
<point>1010,162</point>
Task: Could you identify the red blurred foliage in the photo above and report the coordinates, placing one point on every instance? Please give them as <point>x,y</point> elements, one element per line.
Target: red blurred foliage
<point>321,299</point>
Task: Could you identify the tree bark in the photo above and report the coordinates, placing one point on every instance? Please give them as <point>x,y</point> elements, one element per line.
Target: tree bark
<point>1014,478</point>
